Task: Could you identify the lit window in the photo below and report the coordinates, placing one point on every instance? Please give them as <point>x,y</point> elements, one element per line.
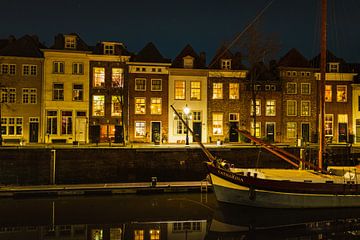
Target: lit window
<point>140,132</point>
<point>305,88</point>
<point>291,107</point>
<point>140,84</point>
<point>341,93</point>
<point>328,93</point>
<point>195,90</point>
<point>51,121</point>
<point>180,127</point>
<point>257,108</point>
<point>140,106</point>
<point>155,107</point>
<point>99,76</point>
<point>329,124</point>
<point>305,108</point>
<point>97,234</point>
<point>98,105</point>
<point>270,109</point>
<point>154,234</point>
<point>78,68</point>
<point>117,77</point>
<point>115,233</point>
<point>78,92</point>
<point>217,123</point>
<point>291,88</point>
<point>156,84</point>
<point>217,91</point>
<point>29,95</point>
<point>233,91</point>
<point>58,92</point>
<point>257,129</point>
<point>70,42</point>
<point>179,89</point>
<point>115,106</point>
<point>58,67</point>
<point>291,130</point>
<point>66,122</point>
<point>225,63</point>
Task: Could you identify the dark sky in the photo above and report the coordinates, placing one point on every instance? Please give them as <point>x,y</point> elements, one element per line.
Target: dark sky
<point>171,24</point>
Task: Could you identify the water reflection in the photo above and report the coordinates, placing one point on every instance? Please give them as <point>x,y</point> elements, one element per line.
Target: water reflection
<point>166,217</point>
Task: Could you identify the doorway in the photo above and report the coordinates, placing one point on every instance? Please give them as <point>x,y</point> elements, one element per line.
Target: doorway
<point>155,132</point>
<point>305,132</point>
<point>343,132</point>
<point>197,131</point>
<point>34,130</point>
<point>80,129</point>
<point>233,134</point>
<point>270,132</point>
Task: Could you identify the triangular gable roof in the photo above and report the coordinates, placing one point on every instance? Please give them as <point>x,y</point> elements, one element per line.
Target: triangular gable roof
<point>26,46</point>
<point>294,58</point>
<point>150,54</point>
<point>188,50</point>
<point>222,53</point>
<point>331,57</point>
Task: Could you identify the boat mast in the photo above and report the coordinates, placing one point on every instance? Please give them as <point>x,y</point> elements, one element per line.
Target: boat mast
<point>322,84</point>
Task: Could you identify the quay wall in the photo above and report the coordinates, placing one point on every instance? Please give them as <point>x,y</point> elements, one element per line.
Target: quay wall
<point>33,166</point>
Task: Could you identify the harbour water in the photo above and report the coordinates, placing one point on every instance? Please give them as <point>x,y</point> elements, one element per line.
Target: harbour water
<point>190,216</point>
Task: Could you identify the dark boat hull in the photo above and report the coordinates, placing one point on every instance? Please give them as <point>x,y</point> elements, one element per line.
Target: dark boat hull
<point>251,191</point>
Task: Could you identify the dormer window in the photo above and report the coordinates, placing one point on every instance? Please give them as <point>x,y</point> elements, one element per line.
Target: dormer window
<point>333,67</point>
<point>225,63</point>
<point>188,62</point>
<point>70,42</point>
<point>109,49</point>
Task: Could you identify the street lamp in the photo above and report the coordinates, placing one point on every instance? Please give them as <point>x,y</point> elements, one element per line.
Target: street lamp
<point>187,112</point>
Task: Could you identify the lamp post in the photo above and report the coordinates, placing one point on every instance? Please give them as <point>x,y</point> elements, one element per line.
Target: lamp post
<point>186,112</point>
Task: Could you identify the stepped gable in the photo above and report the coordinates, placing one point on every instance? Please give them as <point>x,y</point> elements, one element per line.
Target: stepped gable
<point>199,61</point>
<point>59,42</point>
<point>26,46</point>
<point>150,54</point>
<point>120,49</point>
<point>294,58</point>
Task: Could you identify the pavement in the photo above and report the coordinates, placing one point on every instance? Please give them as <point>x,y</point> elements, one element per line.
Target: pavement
<point>104,189</point>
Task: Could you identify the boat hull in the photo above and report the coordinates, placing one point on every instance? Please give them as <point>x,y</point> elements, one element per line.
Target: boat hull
<point>236,190</point>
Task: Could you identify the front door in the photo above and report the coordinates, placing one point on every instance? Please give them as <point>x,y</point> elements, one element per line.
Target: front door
<point>233,134</point>
<point>119,134</point>
<point>305,132</point>
<point>95,133</point>
<point>197,131</point>
<point>34,129</point>
<point>80,129</point>
<point>155,131</point>
<point>270,132</point>
<point>342,132</point>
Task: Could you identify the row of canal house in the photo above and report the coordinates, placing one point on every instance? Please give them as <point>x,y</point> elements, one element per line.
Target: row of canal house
<point>72,92</point>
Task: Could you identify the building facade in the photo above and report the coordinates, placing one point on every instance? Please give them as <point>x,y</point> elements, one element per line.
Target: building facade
<point>65,99</point>
<point>21,67</point>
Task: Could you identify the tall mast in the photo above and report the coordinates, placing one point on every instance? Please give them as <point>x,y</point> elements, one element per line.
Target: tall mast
<point>322,83</point>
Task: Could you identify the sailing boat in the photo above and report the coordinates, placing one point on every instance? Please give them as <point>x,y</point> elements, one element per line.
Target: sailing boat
<point>287,188</point>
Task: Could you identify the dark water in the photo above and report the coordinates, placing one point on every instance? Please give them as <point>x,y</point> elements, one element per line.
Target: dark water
<point>166,217</point>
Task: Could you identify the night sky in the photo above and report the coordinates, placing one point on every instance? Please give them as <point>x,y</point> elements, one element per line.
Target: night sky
<point>205,24</point>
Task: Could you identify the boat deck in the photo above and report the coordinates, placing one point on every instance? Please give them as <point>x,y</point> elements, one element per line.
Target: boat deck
<point>299,175</point>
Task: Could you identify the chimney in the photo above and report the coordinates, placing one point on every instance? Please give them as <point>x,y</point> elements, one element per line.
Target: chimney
<point>202,57</point>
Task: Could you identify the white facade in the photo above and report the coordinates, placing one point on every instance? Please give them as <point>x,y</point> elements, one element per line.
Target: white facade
<point>356,112</point>
<point>198,107</point>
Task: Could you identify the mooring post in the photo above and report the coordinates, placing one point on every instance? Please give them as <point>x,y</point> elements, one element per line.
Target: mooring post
<point>52,166</point>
